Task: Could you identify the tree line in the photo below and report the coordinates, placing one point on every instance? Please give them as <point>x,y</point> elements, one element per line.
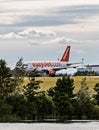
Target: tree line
<point>20,102</point>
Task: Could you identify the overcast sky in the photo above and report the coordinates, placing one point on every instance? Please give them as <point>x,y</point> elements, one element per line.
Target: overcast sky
<point>41,30</point>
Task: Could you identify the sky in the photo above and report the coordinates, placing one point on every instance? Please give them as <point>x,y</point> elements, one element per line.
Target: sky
<point>41,30</point>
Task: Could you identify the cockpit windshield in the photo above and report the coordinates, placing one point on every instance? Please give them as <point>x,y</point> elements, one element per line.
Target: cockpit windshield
<point>25,66</point>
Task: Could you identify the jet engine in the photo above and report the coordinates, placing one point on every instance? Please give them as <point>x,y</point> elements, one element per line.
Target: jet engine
<point>52,72</point>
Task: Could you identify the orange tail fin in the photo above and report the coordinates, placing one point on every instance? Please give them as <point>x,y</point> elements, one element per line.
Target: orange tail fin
<point>65,57</point>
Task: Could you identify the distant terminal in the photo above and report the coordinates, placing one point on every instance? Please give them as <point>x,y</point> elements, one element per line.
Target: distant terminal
<point>89,68</point>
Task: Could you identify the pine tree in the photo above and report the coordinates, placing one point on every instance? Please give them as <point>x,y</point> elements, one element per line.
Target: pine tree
<point>62,95</point>
<point>31,92</point>
<point>44,106</point>
<point>19,71</point>
<point>7,82</point>
<point>84,106</point>
<point>96,88</point>
<point>7,90</point>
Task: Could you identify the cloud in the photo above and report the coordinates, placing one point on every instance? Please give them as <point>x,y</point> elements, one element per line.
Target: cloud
<point>33,42</point>
<point>78,13</point>
<point>54,40</point>
<point>42,37</point>
<point>39,37</point>
<point>10,36</point>
<point>19,0</point>
<point>31,33</point>
<point>65,41</point>
<point>47,14</point>
<point>79,9</point>
<point>33,36</point>
<point>58,16</point>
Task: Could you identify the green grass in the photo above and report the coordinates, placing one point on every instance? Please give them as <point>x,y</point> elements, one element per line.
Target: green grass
<point>49,82</point>
<point>91,82</point>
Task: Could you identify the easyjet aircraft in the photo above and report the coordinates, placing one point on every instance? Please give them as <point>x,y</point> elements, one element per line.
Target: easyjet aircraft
<point>50,67</point>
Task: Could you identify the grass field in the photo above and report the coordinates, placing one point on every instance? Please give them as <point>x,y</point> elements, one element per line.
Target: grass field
<point>51,81</point>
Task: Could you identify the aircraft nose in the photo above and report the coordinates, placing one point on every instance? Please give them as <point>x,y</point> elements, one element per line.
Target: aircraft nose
<point>25,66</point>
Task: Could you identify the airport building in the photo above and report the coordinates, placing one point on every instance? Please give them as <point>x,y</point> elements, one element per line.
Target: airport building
<point>89,68</point>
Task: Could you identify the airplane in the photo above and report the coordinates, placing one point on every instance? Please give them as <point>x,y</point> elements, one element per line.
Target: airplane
<point>50,67</point>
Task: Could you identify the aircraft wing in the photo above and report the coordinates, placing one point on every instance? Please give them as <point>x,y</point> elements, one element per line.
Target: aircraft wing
<point>69,64</point>
<point>58,68</point>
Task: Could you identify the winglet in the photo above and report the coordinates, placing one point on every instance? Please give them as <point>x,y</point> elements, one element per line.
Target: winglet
<point>65,57</point>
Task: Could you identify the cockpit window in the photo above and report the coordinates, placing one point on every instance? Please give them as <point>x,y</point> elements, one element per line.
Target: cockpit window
<point>25,66</point>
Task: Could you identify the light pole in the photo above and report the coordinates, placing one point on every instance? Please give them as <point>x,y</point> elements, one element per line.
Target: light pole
<point>82,62</point>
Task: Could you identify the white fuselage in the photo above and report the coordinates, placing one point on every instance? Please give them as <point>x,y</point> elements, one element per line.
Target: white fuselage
<point>45,65</point>
<point>50,67</point>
